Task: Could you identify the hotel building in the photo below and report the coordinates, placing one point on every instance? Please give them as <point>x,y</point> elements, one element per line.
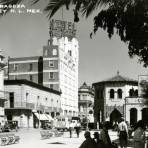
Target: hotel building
<point>30,104</point>
<point>56,68</point>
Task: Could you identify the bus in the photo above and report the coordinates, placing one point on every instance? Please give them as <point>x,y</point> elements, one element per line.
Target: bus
<point>62,123</point>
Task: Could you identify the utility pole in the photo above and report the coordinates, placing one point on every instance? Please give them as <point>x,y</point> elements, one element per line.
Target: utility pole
<point>38,107</point>
<point>87,115</point>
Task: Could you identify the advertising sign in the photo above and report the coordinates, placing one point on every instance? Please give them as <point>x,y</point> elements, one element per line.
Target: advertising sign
<point>60,28</point>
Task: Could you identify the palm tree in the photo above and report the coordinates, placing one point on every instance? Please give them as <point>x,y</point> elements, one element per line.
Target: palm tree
<point>86,7</point>
<point>126,18</point>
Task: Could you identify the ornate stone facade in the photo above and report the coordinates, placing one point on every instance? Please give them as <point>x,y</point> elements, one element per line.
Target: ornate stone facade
<point>86,102</point>
<point>110,94</point>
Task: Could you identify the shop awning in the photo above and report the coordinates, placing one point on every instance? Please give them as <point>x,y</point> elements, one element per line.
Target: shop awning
<point>49,117</point>
<point>41,116</point>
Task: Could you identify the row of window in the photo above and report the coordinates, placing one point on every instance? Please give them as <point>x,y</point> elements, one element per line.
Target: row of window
<point>132,93</point>
<point>112,93</point>
<point>51,76</point>
<point>15,66</point>
<point>46,99</point>
<point>12,102</point>
<point>54,52</point>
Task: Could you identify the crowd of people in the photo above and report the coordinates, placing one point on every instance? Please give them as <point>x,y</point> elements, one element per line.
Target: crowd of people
<point>102,139</point>
<point>75,127</point>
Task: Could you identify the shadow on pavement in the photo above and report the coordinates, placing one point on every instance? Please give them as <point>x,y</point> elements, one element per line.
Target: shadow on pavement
<point>56,143</point>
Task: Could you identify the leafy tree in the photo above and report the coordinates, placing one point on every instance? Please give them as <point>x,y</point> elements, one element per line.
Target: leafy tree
<point>144,91</point>
<point>127,18</point>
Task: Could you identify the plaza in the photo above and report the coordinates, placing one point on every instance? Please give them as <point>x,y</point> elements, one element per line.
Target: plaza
<point>31,138</point>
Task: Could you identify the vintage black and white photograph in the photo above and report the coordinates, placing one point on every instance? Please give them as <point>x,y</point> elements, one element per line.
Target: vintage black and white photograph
<point>73,73</point>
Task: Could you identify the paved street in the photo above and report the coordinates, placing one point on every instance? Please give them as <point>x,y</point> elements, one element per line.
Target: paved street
<point>30,138</point>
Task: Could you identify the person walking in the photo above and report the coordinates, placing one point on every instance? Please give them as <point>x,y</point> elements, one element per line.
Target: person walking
<point>88,142</point>
<point>123,133</point>
<point>77,128</point>
<point>104,136</point>
<point>139,135</point>
<point>71,126</point>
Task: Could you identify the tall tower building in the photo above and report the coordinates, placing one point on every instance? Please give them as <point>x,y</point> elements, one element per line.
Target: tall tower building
<point>57,68</point>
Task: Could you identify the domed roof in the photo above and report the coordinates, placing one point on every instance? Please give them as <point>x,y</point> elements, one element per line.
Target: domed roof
<point>84,86</point>
<point>119,78</point>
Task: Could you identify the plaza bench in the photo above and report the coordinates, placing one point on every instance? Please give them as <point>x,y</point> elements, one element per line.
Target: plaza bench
<point>46,134</point>
<point>57,133</point>
<point>8,138</point>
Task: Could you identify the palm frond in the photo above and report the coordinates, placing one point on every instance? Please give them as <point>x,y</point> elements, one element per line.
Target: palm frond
<point>10,2</point>
<point>54,5</point>
<point>89,6</point>
<point>104,2</point>
<point>34,2</point>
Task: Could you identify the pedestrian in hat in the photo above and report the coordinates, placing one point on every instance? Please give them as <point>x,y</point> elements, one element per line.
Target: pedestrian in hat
<point>99,142</point>
<point>88,142</point>
<point>139,135</point>
<point>104,136</point>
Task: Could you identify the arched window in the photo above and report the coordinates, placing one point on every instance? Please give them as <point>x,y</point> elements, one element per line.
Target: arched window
<point>136,92</point>
<point>131,92</point>
<point>54,52</point>
<point>112,93</point>
<point>144,115</point>
<point>46,52</point>
<point>133,116</point>
<point>119,92</point>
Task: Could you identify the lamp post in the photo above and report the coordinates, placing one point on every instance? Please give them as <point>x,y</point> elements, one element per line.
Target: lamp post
<point>38,104</point>
<point>125,109</point>
<point>87,115</point>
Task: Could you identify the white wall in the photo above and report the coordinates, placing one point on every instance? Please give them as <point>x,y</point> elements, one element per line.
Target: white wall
<point>69,74</point>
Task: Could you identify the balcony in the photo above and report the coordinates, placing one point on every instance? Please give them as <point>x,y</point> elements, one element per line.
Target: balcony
<point>135,100</point>
<point>21,105</point>
<point>85,101</point>
<point>32,106</point>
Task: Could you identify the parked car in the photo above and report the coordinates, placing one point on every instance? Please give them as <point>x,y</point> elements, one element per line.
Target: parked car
<point>6,128</point>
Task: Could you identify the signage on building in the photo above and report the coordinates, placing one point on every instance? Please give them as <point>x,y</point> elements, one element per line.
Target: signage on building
<point>60,29</point>
<point>142,82</point>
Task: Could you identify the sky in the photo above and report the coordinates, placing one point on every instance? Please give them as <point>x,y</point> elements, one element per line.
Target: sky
<point>25,34</point>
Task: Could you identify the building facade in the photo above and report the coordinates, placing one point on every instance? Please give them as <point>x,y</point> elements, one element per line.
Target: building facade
<point>56,68</point>
<point>86,102</point>
<point>2,94</point>
<point>112,99</point>
<point>29,103</point>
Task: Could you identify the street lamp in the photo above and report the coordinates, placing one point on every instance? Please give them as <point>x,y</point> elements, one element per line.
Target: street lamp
<point>125,108</point>
<point>87,115</point>
<point>38,104</point>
